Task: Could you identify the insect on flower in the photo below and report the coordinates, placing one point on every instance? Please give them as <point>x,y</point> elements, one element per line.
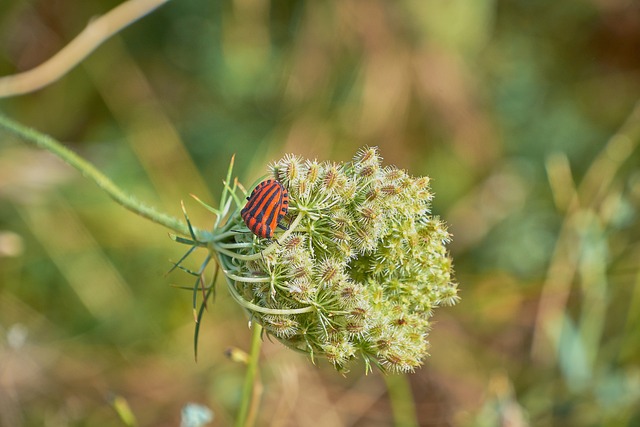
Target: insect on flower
<point>267,205</point>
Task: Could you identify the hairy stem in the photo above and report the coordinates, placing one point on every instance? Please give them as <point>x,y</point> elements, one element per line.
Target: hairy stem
<point>90,171</point>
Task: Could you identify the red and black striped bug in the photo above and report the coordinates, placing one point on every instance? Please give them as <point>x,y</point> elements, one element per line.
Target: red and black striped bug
<point>267,205</point>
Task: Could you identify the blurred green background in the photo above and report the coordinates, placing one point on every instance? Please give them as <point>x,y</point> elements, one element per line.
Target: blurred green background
<point>509,106</point>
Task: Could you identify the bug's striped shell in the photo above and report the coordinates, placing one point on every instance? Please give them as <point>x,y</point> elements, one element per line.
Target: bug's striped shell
<point>267,205</point>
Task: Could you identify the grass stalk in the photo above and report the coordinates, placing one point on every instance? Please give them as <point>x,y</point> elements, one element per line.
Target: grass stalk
<point>252,387</point>
<point>401,398</point>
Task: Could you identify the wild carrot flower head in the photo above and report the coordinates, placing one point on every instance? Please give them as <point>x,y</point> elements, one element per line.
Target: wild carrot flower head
<point>360,270</point>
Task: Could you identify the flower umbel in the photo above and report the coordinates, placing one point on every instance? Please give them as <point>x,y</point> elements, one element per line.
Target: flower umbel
<point>359,271</point>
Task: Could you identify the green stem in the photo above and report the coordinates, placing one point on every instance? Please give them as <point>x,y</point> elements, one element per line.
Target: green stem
<point>250,398</point>
<point>401,397</point>
<point>90,171</point>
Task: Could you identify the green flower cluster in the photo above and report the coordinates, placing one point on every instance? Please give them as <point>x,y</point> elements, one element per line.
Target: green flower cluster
<point>360,270</point>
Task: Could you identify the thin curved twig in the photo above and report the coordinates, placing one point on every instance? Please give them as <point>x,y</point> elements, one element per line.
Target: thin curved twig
<point>97,32</point>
